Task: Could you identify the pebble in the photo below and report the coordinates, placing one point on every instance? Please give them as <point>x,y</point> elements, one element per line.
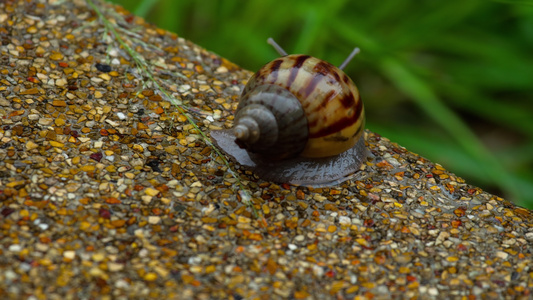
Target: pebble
<point>69,254</point>
<point>154,220</point>
<point>115,267</point>
<point>30,145</point>
<point>45,121</point>
<point>15,248</point>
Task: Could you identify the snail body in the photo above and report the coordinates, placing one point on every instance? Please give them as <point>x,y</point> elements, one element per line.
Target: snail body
<point>299,120</point>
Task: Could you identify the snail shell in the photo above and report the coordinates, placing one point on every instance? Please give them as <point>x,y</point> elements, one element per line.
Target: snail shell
<point>300,120</point>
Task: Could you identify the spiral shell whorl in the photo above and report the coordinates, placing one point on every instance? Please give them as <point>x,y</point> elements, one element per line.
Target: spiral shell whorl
<point>281,129</point>
<point>256,127</point>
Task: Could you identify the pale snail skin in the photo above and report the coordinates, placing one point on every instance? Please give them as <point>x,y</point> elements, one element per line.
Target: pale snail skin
<point>300,120</point>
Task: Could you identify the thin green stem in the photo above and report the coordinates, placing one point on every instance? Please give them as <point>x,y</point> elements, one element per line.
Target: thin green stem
<point>147,71</point>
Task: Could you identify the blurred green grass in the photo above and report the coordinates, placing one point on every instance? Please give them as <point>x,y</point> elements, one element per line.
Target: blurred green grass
<point>450,80</point>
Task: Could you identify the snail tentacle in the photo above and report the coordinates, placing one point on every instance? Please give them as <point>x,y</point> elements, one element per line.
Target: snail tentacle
<point>355,51</point>
<point>277,47</point>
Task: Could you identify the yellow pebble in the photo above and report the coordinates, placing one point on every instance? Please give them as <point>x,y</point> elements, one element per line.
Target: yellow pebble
<point>59,122</point>
<point>266,209</point>
<point>31,145</point>
<point>111,169</point>
<point>138,148</point>
<point>150,276</point>
<point>452,258</point>
<point>85,225</point>
<point>88,168</point>
<point>151,192</point>
<point>57,144</point>
<point>105,76</point>
<point>210,269</point>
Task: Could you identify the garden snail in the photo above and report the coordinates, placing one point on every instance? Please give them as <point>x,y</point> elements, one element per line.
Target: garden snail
<point>299,120</point>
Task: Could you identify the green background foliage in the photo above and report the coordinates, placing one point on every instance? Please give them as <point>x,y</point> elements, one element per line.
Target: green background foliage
<point>450,80</point>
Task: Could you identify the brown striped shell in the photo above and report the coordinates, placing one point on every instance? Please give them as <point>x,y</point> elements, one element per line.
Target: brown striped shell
<point>299,120</point>
<point>328,97</point>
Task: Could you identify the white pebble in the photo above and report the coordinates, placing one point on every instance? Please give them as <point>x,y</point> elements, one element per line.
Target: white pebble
<point>10,275</point>
<point>15,248</point>
<point>344,220</point>
<point>433,291</point>
<point>154,219</point>
<point>318,271</point>
<point>502,255</point>
<point>112,123</point>
<point>69,254</point>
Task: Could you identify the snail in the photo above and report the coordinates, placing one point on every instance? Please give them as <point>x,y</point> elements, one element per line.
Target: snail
<point>299,120</point>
